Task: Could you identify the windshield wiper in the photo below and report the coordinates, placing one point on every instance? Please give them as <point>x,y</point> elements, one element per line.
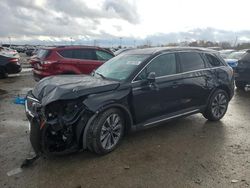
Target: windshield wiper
<point>103,77</point>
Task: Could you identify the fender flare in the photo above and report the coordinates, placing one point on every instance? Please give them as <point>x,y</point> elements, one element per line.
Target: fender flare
<point>129,120</point>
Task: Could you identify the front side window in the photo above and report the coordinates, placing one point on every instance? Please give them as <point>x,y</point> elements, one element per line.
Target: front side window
<point>83,54</point>
<point>191,61</point>
<point>162,65</point>
<point>120,67</point>
<point>103,56</point>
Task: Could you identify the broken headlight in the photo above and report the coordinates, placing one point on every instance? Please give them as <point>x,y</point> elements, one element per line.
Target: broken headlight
<point>65,110</point>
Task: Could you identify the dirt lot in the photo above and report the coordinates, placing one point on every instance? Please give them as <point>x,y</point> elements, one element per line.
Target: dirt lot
<point>190,152</point>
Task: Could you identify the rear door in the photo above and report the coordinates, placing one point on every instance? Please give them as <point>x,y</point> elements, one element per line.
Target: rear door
<point>86,60</point>
<point>197,78</point>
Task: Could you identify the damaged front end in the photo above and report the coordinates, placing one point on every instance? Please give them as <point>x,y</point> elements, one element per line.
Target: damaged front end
<point>55,128</point>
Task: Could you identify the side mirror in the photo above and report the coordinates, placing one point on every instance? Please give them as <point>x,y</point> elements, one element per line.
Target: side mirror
<point>151,77</point>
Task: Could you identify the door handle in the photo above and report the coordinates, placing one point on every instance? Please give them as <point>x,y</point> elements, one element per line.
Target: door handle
<point>153,86</point>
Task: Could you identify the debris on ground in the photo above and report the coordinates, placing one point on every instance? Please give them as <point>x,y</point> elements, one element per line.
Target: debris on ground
<point>198,181</point>
<point>126,167</point>
<point>29,161</point>
<point>20,100</point>
<point>234,181</point>
<point>14,171</point>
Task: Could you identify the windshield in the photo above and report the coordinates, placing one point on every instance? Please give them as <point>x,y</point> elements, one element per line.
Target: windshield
<point>236,55</point>
<point>120,67</point>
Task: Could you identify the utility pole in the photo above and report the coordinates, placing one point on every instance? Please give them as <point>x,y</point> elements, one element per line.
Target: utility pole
<point>71,42</point>
<point>236,40</point>
<point>9,40</point>
<point>121,42</point>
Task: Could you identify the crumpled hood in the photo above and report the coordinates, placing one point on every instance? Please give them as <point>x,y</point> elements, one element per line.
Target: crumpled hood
<point>65,87</point>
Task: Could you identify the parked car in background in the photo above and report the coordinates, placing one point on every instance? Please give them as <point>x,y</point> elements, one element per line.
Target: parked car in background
<point>122,50</point>
<point>9,52</point>
<point>9,64</point>
<point>68,60</point>
<point>29,51</point>
<point>132,91</point>
<point>232,59</point>
<point>242,71</point>
<point>20,49</point>
<point>225,53</point>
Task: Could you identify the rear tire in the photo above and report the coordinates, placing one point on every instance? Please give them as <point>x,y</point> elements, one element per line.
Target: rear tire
<point>106,131</point>
<point>217,106</point>
<point>240,85</point>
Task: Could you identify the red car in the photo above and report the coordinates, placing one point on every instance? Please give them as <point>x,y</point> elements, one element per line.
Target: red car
<point>68,60</point>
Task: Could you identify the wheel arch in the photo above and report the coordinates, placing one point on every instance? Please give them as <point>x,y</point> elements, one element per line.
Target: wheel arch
<point>226,89</point>
<point>222,87</point>
<point>127,117</point>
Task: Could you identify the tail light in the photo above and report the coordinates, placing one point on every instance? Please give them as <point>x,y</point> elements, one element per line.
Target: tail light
<point>13,60</point>
<point>48,62</point>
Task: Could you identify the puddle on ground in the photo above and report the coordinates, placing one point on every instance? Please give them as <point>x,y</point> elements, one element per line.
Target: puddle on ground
<point>2,92</point>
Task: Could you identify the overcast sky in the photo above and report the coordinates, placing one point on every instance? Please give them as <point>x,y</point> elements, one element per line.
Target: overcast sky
<point>56,20</point>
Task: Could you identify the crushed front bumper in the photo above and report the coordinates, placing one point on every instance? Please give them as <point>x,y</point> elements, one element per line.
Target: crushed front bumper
<point>34,123</point>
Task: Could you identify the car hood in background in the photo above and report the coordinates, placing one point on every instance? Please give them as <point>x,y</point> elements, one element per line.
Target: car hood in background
<point>65,87</point>
<point>232,62</point>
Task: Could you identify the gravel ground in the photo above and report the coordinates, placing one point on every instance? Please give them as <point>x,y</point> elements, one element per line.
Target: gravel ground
<point>189,152</point>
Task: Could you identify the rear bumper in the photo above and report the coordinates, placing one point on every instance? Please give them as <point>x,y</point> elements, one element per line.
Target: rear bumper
<point>13,68</point>
<point>242,75</point>
<point>38,75</point>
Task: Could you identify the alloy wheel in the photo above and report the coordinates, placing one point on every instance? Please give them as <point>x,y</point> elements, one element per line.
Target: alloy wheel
<point>111,131</point>
<point>219,105</point>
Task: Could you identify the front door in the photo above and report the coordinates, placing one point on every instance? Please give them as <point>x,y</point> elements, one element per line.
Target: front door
<point>161,97</point>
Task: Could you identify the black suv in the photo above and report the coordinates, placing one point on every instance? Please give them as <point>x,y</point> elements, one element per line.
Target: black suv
<point>242,71</point>
<point>135,90</point>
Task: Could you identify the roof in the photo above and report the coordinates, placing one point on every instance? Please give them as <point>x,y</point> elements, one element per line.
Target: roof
<point>72,47</point>
<point>155,50</point>
<point>76,47</point>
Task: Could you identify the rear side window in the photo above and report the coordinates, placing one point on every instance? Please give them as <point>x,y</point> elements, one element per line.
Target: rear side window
<point>66,53</point>
<point>191,61</point>
<point>84,54</point>
<point>213,61</point>
<point>103,56</point>
<point>43,53</point>
<point>78,54</point>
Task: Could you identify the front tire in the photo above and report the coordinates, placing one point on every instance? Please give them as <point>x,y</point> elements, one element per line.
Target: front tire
<point>217,106</point>
<point>106,131</point>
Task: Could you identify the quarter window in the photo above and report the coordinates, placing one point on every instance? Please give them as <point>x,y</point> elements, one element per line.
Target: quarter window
<point>213,61</point>
<point>162,65</point>
<point>191,61</point>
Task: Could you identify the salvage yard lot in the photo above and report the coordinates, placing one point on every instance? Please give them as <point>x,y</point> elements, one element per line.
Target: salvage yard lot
<point>190,152</point>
